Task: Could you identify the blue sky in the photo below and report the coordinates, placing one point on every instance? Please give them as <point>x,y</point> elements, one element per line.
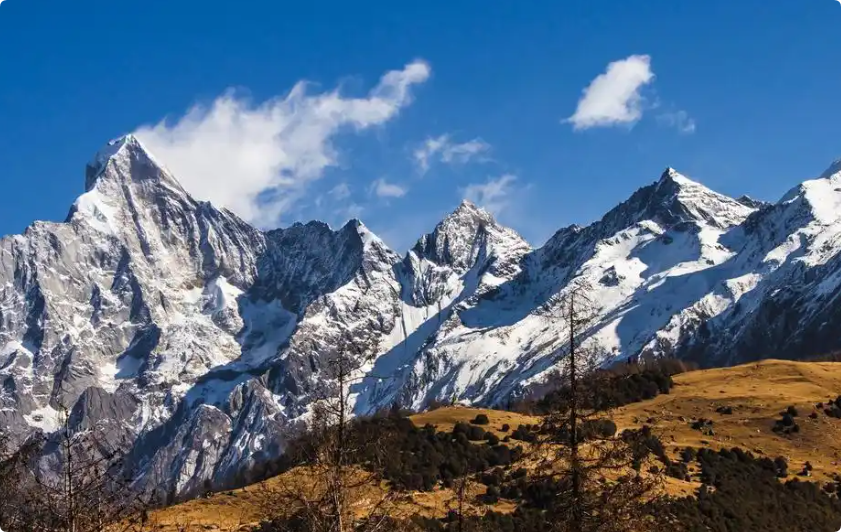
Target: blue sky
<point>742,96</point>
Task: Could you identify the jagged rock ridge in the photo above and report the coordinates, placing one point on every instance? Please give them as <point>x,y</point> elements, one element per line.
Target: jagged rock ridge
<point>195,341</point>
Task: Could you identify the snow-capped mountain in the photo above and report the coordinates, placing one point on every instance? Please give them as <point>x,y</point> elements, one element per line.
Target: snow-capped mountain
<point>196,342</point>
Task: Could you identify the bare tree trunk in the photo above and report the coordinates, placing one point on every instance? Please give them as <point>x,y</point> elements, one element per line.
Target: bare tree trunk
<point>462,490</point>
<point>328,457</point>
<point>575,459</point>
<point>597,487</point>
<point>69,496</point>
<point>339,490</point>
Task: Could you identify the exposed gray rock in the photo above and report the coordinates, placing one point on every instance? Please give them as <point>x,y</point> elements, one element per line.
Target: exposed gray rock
<point>177,333</point>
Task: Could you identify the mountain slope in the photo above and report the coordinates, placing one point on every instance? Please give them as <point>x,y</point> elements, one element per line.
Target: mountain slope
<point>198,343</point>
<point>757,393</point>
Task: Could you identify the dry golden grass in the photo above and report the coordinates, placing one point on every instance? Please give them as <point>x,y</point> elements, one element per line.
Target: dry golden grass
<point>444,419</point>
<point>239,510</point>
<point>242,508</point>
<point>756,392</point>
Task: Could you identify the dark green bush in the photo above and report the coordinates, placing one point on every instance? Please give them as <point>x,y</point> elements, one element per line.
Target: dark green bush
<point>748,496</point>
<point>476,433</point>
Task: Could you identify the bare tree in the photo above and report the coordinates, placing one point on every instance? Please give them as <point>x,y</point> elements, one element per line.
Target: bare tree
<point>88,491</point>
<point>13,480</point>
<point>592,471</point>
<point>320,496</point>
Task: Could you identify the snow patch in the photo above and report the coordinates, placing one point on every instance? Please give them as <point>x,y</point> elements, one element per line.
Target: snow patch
<point>46,418</point>
<point>221,295</point>
<point>94,209</point>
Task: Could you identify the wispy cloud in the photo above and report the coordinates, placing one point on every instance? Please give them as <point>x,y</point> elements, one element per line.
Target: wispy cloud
<point>614,98</point>
<point>443,149</point>
<point>384,189</point>
<point>493,195</point>
<point>679,120</point>
<point>340,192</point>
<point>258,159</point>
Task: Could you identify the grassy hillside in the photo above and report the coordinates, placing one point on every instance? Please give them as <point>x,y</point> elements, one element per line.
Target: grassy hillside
<point>756,394</point>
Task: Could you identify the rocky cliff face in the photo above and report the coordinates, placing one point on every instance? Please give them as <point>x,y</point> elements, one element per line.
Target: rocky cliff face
<point>195,342</point>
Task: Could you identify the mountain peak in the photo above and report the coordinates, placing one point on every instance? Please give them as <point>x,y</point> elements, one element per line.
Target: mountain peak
<point>454,239</point>
<point>110,151</point>
<point>753,203</point>
<point>833,170</point>
<point>368,237</point>
<point>468,208</point>
<point>672,177</point>
<point>466,218</point>
<point>675,199</point>
<point>468,212</point>
<point>467,205</point>
<point>125,153</point>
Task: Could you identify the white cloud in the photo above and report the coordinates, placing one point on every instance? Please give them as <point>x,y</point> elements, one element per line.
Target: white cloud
<point>257,160</point>
<point>430,147</point>
<point>613,98</point>
<point>443,149</point>
<point>384,189</point>
<point>493,195</point>
<point>462,153</point>
<point>340,192</point>
<point>679,120</point>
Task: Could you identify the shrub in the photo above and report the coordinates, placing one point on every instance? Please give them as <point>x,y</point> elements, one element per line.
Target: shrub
<point>832,408</point>
<point>599,428</point>
<point>677,470</point>
<point>688,454</point>
<point>700,424</point>
<point>491,496</point>
<point>461,428</point>
<point>749,496</point>
<point>476,433</point>
<point>492,478</point>
<point>615,387</point>
<point>480,419</point>
<point>419,458</point>
<point>781,466</point>
<point>523,433</point>
<point>643,443</point>
<point>786,424</point>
